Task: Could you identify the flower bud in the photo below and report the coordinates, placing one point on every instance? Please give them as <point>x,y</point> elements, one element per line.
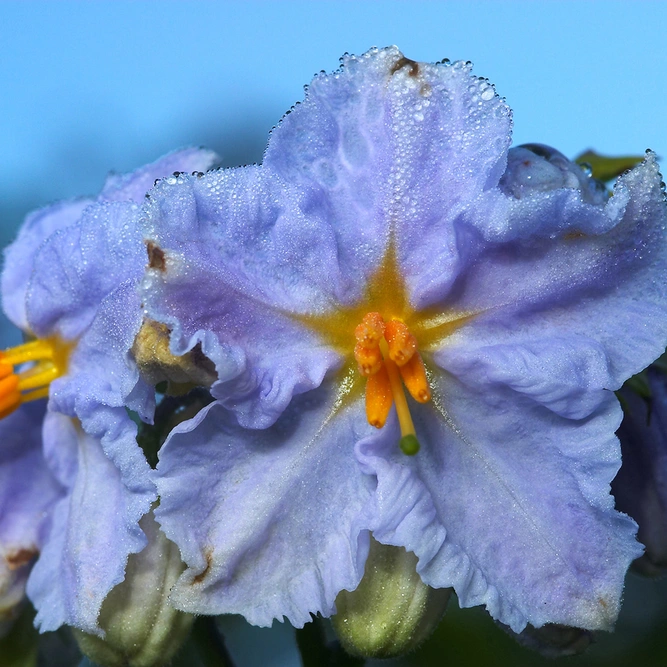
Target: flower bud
<point>392,610</point>
<point>141,628</point>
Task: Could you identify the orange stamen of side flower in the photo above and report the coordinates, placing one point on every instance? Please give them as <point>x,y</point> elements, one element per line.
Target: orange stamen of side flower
<point>48,361</point>
<point>386,353</point>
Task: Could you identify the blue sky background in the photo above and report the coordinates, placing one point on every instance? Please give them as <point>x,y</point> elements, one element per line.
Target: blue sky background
<point>89,87</point>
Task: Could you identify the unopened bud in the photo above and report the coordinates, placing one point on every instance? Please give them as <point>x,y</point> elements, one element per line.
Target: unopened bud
<point>141,628</point>
<point>392,610</point>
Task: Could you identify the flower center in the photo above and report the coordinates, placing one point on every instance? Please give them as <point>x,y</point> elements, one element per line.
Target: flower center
<point>47,361</point>
<point>386,353</point>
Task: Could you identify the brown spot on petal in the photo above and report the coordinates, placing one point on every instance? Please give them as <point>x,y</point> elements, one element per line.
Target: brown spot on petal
<point>406,62</point>
<point>20,557</point>
<point>208,554</point>
<point>156,258</point>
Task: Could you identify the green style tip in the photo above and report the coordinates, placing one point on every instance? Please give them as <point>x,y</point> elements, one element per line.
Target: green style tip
<point>409,444</point>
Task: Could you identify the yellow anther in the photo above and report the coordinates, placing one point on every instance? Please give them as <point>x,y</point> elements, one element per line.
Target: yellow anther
<point>10,396</point>
<point>402,344</point>
<point>371,329</point>
<point>379,398</point>
<point>414,378</point>
<point>49,361</point>
<point>387,355</point>
<point>368,358</point>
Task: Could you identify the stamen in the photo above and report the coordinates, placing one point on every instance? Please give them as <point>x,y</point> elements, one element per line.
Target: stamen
<point>10,396</point>
<point>371,329</point>
<point>402,344</point>
<point>414,378</point>
<point>50,357</point>
<point>387,355</point>
<point>378,398</point>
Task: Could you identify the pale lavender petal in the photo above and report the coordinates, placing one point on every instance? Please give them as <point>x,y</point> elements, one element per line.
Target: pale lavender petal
<point>270,522</point>
<point>263,355</point>
<point>19,257</point>
<point>27,487</point>
<point>19,260</point>
<point>80,265</point>
<point>388,146</point>
<point>134,186</point>
<point>509,503</point>
<point>94,530</point>
<point>103,381</point>
<point>590,290</point>
<point>28,493</point>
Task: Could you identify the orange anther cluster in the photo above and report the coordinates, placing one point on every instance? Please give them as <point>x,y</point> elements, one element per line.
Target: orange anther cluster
<point>402,344</point>
<point>379,398</point>
<point>386,353</point>
<point>367,350</point>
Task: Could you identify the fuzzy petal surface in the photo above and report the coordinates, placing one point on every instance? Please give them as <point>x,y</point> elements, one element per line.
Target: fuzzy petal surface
<point>592,313</point>
<point>297,498</point>
<point>250,279</point>
<point>134,186</point>
<point>19,257</point>
<point>80,265</point>
<point>94,530</point>
<point>28,493</point>
<point>498,501</point>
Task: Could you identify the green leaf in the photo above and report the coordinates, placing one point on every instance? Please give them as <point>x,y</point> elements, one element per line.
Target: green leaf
<point>605,168</point>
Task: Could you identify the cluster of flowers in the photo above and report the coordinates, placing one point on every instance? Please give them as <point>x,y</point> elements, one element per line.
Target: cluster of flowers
<point>409,333</point>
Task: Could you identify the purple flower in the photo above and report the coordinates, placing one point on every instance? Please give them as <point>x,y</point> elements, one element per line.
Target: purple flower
<point>76,481</point>
<point>389,193</point>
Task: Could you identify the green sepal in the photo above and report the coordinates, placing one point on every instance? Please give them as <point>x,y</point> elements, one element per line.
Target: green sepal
<point>606,168</point>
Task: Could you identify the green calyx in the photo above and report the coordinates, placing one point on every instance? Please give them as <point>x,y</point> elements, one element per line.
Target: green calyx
<point>392,611</point>
<point>141,628</point>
